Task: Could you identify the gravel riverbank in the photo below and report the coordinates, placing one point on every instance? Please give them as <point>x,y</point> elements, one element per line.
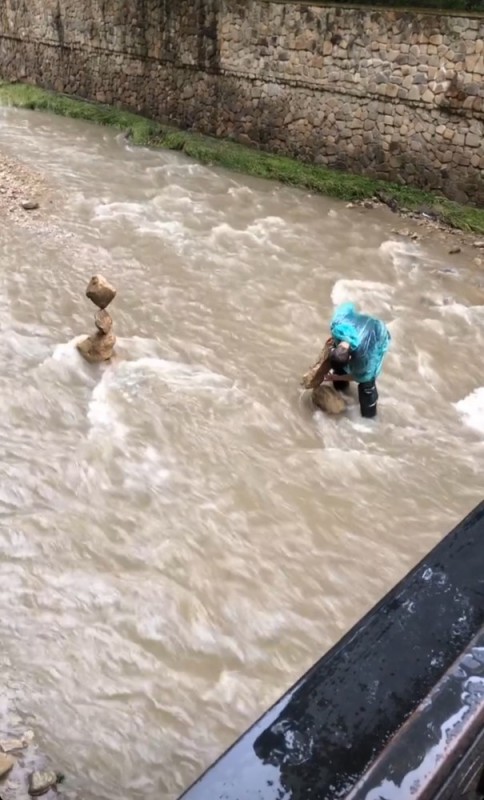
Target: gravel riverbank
<point>25,196</point>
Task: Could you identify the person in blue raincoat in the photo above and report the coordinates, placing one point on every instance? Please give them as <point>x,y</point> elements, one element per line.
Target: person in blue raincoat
<point>360,343</point>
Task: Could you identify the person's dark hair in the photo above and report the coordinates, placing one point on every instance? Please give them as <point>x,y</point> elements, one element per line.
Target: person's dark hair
<point>340,355</point>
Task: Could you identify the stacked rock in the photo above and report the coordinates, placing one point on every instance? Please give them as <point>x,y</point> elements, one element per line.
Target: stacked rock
<point>99,346</point>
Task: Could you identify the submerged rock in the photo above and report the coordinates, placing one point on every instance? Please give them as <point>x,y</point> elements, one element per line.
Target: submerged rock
<point>28,737</point>
<point>30,205</point>
<point>328,399</point>
<point>41,782</point>
<point>100,291</point>
<point>6,764</point>
<point>8,745</point>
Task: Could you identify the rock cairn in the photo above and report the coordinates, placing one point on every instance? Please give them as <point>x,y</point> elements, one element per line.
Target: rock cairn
<point>324,395</point>
<point>99,346</point>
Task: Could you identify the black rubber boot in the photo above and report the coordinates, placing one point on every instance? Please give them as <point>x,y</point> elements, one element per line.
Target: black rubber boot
<point>368,397</point>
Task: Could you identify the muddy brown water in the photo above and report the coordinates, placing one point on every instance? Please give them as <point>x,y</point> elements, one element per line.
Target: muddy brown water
<point>181,535</point>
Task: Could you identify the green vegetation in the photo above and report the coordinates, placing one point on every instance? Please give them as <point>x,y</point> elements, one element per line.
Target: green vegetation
<point>445,5</point>
<point>21,95</point>
<point>228,154</point>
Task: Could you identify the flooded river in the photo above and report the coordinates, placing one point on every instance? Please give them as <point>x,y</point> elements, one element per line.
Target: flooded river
<point>181,535</point>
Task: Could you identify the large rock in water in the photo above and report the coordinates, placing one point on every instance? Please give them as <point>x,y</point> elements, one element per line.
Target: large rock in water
<point>41,782</point>
<point>98,347</point>
<point>328,399</point>
<point>100,291</point>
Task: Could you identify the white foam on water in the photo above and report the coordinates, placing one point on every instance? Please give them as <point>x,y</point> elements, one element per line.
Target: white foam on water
<point>264,231</point>
<point>67,352</point>
<point>433,325</point>
<point>471,409</point>
<point>125,378</point>
<point>102,413</point>
<point>177,202</point>
<point>426,370</point>
<point>371,296</point>
<point>145,471</point>
<point>171,230</point>
<point>16,344</point>
<point>240,191</point>
<point>110,211</point>
<point>175,192</point>
<point>400,252</point>
<point>270,223</point>
<point>458,310</point>
<point>348,464</point>
<point>177,374</point>
<point>67,360</point>
<point>173,168</point>
<point>136,347</point>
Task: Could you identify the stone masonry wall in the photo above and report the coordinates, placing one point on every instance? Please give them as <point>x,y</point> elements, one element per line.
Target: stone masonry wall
<point>392,94</point>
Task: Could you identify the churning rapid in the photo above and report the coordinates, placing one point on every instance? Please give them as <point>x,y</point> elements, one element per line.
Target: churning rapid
<point>181,534</point>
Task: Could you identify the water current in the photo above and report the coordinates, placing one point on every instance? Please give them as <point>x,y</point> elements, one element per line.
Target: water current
<point>181,534</point>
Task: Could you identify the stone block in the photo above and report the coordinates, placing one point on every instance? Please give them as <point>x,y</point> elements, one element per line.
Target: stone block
<point>391,90</point>
<point>472,140</point>
<point>472,61</point>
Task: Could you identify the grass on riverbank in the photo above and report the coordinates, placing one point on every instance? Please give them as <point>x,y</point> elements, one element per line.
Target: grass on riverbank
<point>228,154</point>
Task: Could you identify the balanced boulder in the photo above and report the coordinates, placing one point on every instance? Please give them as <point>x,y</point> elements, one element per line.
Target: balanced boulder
<point>100,291</point>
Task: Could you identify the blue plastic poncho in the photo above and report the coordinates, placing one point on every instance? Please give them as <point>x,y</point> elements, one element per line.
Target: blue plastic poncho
<point>368,337</point>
